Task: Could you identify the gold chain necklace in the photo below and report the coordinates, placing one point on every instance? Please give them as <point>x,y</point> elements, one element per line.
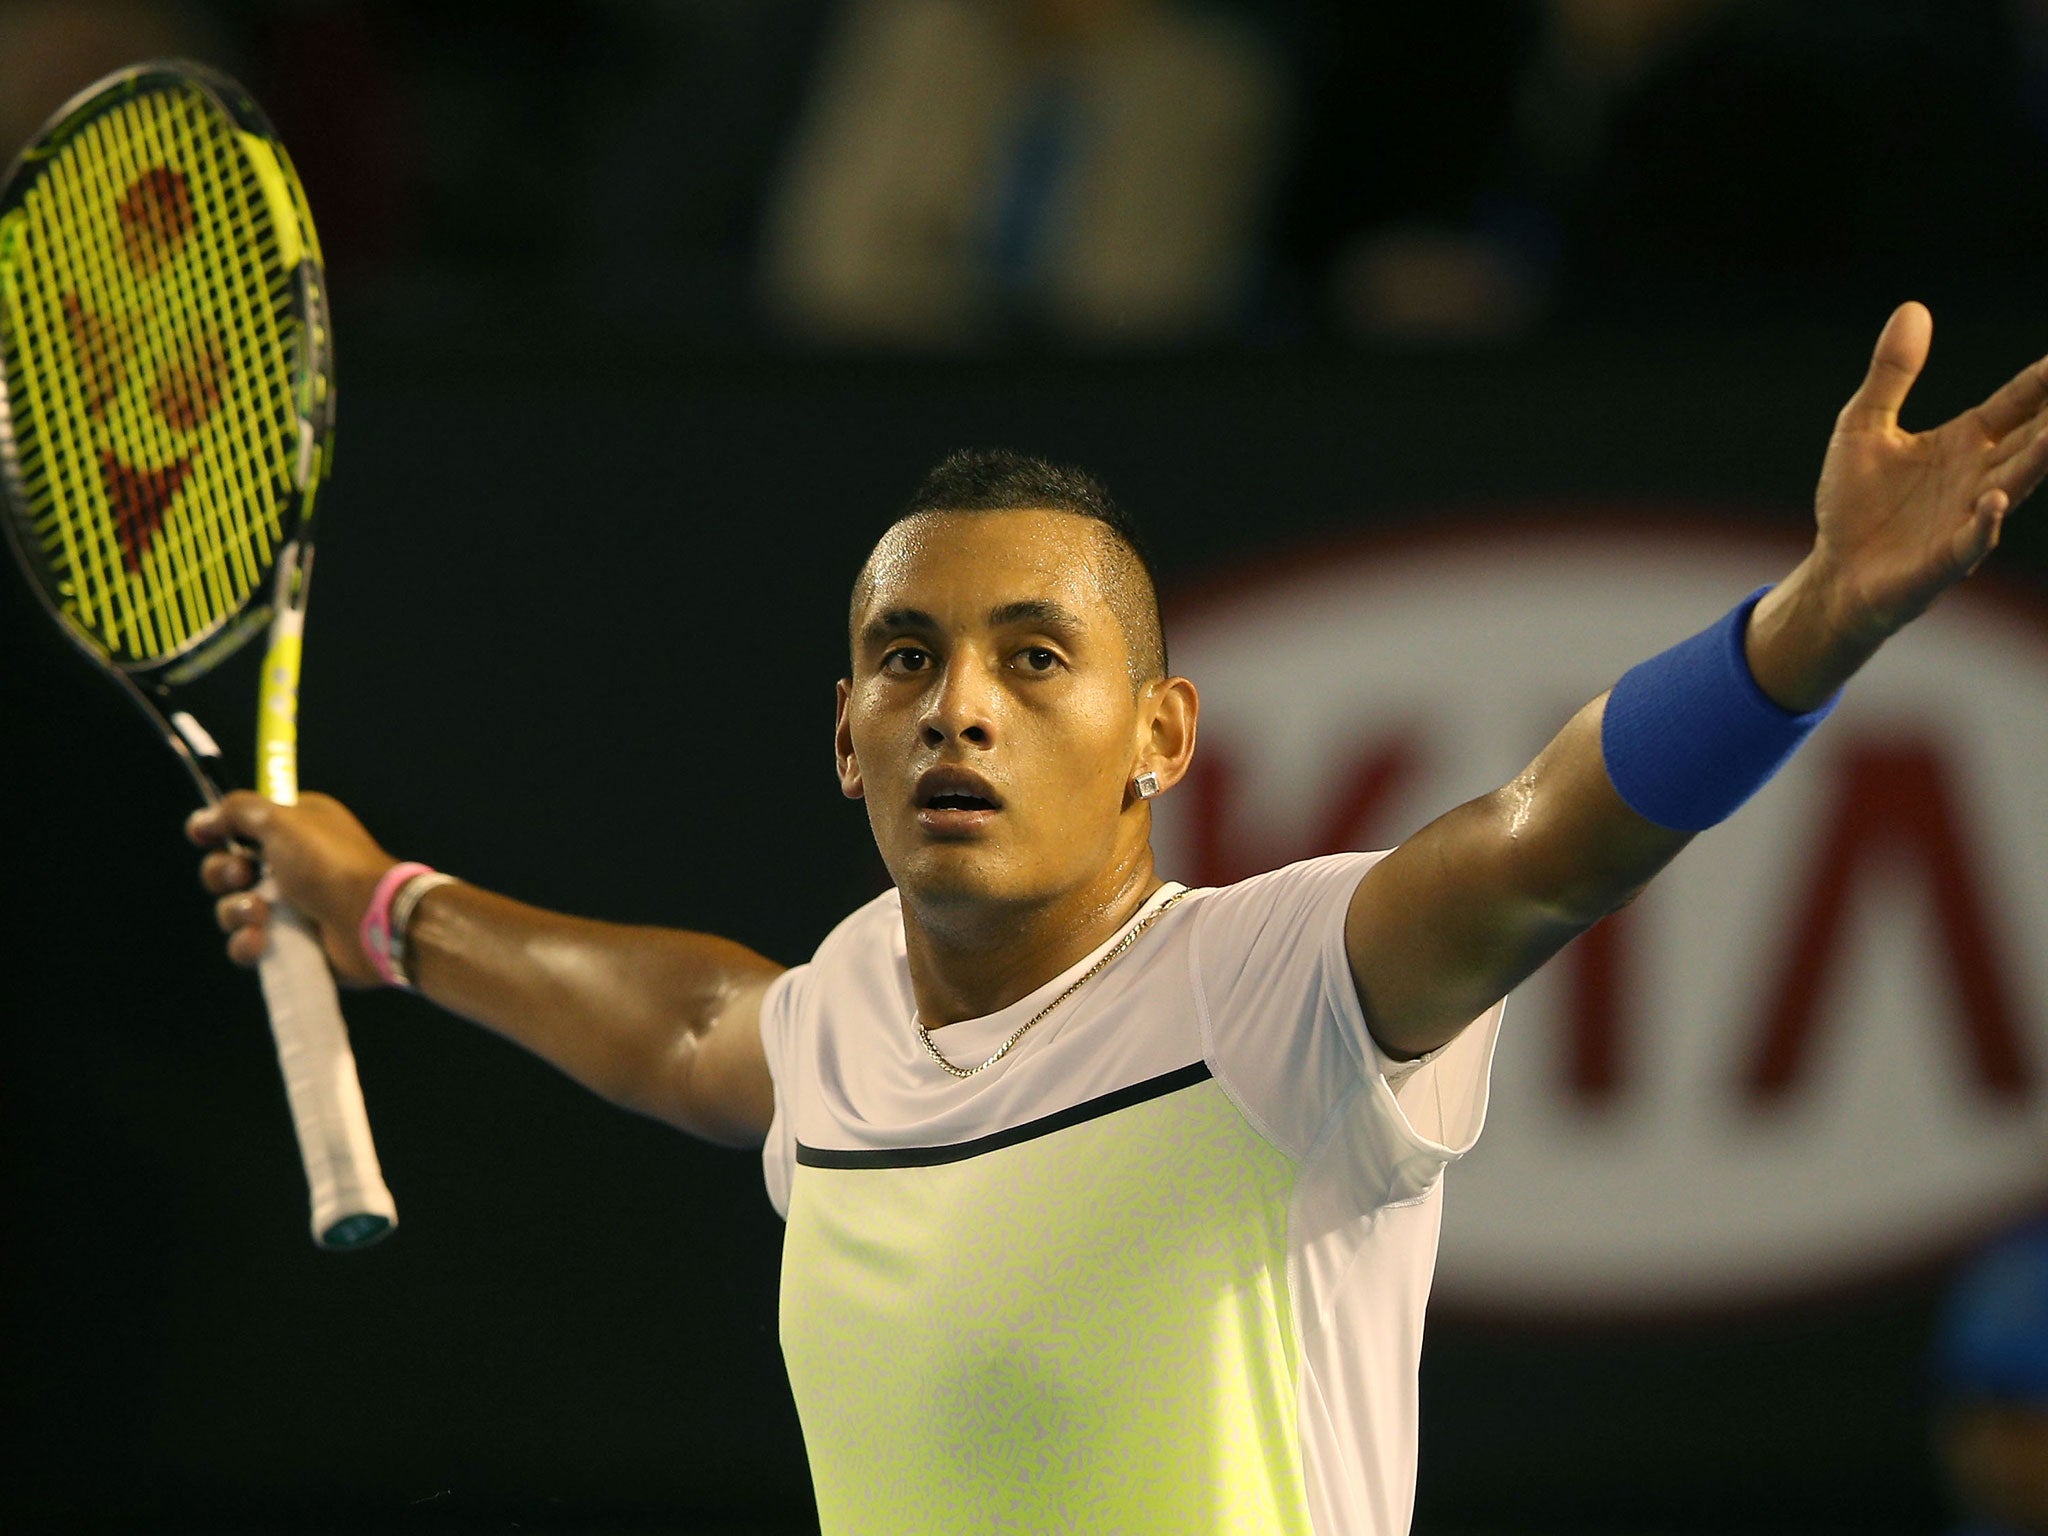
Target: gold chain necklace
<point>1079,982</point>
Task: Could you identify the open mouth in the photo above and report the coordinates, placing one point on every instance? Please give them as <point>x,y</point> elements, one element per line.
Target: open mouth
<point>958,802</point>
<point>954,801</point>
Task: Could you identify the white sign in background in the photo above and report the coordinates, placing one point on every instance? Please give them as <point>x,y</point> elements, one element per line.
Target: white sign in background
<point>1816,1050</point>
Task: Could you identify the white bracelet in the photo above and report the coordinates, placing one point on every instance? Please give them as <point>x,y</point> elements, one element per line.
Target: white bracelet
<point>403,905</point>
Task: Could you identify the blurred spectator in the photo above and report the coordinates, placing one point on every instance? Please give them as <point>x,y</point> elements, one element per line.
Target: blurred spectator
<point>1991,1369</point>
<point>1097,168</point>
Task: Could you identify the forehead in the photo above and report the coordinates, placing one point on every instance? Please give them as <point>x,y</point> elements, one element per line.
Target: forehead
<point>956,564</point>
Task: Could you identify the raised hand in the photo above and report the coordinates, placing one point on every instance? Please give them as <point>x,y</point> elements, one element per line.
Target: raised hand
<point>1902,516</point>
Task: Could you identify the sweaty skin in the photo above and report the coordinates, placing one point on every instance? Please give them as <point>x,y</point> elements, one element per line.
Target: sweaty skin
<point>988,646</point>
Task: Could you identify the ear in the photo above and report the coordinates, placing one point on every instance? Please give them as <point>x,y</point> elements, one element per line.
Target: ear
<point>842,746</point>
<point>1166,731</point>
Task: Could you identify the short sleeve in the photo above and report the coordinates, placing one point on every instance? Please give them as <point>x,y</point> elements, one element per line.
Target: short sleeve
<point>780,1008</point>
<point>1285,1033</point>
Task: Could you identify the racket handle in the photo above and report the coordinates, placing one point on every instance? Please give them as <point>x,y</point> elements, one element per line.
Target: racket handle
<point>351,1206</point>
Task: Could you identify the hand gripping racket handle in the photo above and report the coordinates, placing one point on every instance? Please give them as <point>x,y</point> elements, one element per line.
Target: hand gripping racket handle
<point>351,1206</point>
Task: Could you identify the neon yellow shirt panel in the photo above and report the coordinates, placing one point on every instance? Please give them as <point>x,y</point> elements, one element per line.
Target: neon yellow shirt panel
<point>1087,1329</point>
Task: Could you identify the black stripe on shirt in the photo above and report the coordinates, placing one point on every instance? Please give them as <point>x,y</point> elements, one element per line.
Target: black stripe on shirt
<point>1058,1120</point>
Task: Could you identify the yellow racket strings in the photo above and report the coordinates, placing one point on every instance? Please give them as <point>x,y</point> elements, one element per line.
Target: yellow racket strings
<point>151,351</point>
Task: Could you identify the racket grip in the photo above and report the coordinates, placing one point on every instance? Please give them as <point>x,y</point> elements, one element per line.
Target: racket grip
<point>351,1206</point>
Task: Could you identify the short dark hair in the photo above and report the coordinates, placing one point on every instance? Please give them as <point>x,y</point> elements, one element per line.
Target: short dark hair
<point>998,480</point>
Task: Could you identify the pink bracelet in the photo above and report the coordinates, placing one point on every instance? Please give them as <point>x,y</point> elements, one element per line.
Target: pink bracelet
<point>374,933</point>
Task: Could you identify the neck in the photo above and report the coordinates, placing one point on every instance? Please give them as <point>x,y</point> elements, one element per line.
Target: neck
<point>967,961</point>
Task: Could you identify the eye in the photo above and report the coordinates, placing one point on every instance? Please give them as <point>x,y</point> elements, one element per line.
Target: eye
<point>1039,658</point>
<point>906,659</point>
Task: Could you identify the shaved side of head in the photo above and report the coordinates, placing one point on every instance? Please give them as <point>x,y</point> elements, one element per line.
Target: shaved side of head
<point>995,480</point>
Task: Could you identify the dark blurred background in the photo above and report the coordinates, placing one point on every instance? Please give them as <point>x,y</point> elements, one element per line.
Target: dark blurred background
<point>647,313</point>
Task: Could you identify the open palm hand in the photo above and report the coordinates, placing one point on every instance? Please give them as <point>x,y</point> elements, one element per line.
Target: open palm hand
<point>1903,516</point>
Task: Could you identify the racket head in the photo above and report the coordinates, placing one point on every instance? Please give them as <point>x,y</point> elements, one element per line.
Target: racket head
<point>166,369</point>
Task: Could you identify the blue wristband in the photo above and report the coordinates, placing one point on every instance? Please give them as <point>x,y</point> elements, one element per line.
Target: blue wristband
<point>1689,736</point>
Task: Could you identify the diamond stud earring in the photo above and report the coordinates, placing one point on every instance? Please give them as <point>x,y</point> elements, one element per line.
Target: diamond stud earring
<point>1146,785</point>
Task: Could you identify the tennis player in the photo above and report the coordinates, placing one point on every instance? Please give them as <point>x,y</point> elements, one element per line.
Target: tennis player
<point>1113,1206</point>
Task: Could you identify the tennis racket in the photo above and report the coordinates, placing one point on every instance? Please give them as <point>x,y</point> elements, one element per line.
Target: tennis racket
<point>166,414</point>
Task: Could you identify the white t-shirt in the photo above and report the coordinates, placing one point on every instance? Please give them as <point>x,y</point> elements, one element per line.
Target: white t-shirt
<point>1162,1268</point>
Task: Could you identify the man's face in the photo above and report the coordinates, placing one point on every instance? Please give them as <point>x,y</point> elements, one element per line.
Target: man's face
<point>991,722</point>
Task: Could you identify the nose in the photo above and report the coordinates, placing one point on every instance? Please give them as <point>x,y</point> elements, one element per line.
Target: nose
<point>959,706</point>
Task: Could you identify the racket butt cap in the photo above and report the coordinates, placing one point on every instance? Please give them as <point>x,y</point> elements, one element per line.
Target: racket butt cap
<point>358,1230</point>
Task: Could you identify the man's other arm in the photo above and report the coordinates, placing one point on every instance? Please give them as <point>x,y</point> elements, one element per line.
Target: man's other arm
<point>1452,920</point>
<point>658,1021</point>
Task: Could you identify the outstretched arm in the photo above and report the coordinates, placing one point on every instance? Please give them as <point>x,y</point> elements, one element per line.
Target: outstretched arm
<point>1458,915</point>
<point>661,1022</point>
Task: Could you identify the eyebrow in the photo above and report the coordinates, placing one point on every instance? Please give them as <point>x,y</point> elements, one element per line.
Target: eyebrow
<point>1039,612</point>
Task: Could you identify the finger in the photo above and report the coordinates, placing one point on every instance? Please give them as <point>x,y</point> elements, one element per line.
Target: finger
<point>1895,362</point>
<point>246,945</point>
<point>224,872</point>
<point>2016,403</point>
<point>1979,536</point>
<point>246,814</point>
<point>2013,442</point>
<point>240,813</point>
<point>2023,470</point>
<point>241,910</point>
